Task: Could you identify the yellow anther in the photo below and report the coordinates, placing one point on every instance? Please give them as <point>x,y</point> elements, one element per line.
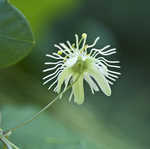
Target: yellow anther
<point>84,35</point>
<point>73,45</point>
<point>84,49</point>
<point>65,58</point>
<point>59,52</point>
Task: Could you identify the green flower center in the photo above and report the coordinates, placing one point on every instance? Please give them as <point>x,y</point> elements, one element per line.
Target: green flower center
<point>80,66</point>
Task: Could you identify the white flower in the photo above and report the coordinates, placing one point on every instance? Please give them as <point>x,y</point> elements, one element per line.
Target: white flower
<point>80,61</point>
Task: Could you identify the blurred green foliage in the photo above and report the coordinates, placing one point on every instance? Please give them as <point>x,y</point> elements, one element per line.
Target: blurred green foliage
<point>118,122</point>
<point>38,12</point>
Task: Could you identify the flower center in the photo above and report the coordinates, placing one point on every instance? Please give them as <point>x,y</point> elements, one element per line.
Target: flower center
<point>80,66</point>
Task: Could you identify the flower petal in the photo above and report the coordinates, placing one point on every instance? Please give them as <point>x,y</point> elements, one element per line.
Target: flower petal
<point>100,79</point>
<point>91,83</point>
<point>78,90</point>
<point>61,78</point>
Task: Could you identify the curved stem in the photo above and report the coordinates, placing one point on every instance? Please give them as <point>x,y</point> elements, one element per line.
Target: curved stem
<point>42,110</point>
<point>34,116</point>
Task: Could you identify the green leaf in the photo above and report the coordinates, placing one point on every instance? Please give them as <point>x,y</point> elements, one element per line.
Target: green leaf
<point>16,38</point>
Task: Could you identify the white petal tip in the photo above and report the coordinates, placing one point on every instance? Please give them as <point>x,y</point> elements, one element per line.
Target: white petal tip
<point>79,101</point>
<point>107,92</point>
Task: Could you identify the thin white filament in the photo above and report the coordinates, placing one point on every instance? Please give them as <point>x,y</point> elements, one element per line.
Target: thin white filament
<point>63,51</point>
<point>114,72</point>
<point>70,46</point>
<point>113,75</point>
<point>52,74</point>
<point>108,60</point>
<point>92,45</point>
<point>58,55</point>
<point>111,78</point>
<point>52,84</point>
<point>51,78</point>
<point>66,48</point>
<point>52,68</point>
<point>53,63</point>
<point>77,41</point>
<point>114,66</point>
<point>51,56</point>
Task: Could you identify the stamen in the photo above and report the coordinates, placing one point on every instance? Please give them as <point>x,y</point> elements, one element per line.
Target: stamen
<point>59,52</point>
<point>84,49</point>
<point>73,45</point>
<point>57,46</point>
<point>66,58</point>
<point>84,36</point>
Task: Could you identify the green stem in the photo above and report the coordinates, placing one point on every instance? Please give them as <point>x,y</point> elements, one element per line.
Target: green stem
<point>34,116</point>
<point>42,110</point>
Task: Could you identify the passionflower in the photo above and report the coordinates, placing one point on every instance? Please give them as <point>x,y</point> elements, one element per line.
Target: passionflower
<point>78,62</point>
